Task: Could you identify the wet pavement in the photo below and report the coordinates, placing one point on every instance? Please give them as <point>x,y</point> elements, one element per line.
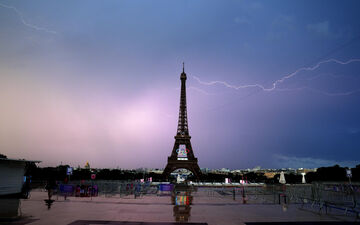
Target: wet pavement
<point>182,206</point>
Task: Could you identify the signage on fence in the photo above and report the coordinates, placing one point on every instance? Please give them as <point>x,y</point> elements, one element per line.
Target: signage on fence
<point>93,176</point>
<point>243,182</point>
<point>68,189</point>
<point>166,187</point>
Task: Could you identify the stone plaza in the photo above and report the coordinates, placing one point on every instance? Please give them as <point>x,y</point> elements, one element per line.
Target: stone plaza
<point>207,207</point>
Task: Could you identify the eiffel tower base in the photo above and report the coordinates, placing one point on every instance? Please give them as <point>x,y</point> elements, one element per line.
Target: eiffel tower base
<point>191,165</point>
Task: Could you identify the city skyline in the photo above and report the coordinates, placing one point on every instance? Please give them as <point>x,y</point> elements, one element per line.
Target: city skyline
<point>271,84</point>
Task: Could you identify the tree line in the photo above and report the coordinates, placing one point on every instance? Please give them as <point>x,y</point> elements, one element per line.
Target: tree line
<point>59,173</point>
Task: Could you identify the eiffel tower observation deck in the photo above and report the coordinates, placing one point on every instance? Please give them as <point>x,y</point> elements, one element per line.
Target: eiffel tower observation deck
<point>182,155</point>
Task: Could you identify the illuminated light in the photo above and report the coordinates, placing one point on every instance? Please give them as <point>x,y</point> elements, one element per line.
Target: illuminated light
<point>182,158</point>
<point>182,152</point>
<point>182,200</point>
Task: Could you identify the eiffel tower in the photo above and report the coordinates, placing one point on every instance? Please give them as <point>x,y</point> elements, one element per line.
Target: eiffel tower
<point>182,156</point>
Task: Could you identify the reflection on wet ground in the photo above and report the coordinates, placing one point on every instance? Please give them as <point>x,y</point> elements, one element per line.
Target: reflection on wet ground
<point>179,204</point>
<point>49,202</point>
<point>182,199</point>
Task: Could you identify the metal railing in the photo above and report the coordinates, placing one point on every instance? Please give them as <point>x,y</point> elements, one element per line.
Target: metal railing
<point>317,196</point>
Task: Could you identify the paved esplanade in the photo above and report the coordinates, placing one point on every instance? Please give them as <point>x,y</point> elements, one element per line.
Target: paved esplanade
<point>213,210</point>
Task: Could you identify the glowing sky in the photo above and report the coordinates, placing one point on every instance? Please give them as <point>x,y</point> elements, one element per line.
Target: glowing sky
<point>270,83</point>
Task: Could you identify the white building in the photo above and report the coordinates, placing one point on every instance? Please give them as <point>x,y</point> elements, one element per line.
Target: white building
<point>12,175</point>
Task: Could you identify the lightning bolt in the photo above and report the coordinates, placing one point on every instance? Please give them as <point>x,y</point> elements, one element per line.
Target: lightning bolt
<point>23,21</point>
<point>281,80</point>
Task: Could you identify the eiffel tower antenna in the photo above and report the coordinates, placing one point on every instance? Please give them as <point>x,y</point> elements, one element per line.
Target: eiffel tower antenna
<point>182,155</point>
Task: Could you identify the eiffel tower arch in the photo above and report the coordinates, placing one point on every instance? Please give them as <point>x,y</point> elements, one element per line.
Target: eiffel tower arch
<point>182,155</point>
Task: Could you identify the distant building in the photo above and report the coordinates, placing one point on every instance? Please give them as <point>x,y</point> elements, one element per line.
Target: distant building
<point>157,171</point>
<point>270,175</point>
<point>87,165</point>
<point>302,170</point>
<point>224,170</point>
<point>205,170</point>
<point>236,172</point>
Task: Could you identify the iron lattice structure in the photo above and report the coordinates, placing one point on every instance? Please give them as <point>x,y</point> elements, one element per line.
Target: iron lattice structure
<point>186,158</point>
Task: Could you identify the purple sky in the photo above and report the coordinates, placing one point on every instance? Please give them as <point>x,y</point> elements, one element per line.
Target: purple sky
<point>270,83</point>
